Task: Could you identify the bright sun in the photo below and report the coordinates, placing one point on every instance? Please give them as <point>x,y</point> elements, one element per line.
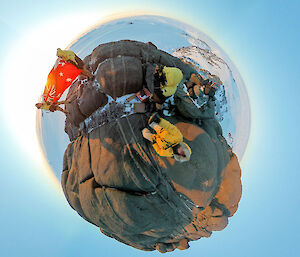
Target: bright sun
<point>28,63</point>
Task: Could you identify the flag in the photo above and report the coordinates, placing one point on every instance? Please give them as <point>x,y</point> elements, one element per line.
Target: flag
<point>59,79</point>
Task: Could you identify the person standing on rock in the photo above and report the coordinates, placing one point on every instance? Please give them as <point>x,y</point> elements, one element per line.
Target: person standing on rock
<point>168,140</point>
<point>70,57</point>
<point>65,70</point>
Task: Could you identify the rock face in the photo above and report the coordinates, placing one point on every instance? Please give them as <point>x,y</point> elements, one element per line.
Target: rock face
<point>115,180</point>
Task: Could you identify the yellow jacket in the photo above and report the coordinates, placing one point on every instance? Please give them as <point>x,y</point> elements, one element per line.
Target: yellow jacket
<point>66,55</point>
<point>174,77</point>
<point>167,135</point>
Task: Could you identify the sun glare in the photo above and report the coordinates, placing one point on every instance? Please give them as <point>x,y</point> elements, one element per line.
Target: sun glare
<point>27,64</point>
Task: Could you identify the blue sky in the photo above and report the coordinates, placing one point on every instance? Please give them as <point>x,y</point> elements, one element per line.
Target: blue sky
<point>262,38</point>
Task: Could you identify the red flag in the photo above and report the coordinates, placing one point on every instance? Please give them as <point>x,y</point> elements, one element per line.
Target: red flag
<point>59,79</point>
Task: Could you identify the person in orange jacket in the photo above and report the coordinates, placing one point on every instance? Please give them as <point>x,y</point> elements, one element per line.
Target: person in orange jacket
<point>71,57</point>
<point>168,140</point>
<point>51,92</point>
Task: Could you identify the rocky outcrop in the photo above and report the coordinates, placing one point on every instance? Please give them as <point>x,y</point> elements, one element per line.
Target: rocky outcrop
<point>121,68</point>
<point>115,180</point>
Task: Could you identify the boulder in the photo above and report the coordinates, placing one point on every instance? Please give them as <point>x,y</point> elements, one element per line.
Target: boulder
<point>114,178</point>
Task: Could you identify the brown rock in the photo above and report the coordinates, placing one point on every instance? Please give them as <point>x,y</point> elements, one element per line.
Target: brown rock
<point>115,180</point>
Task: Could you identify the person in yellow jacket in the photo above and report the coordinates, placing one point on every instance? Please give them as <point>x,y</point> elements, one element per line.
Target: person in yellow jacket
<point>71,57</point>
<point>168,140</point>
<point>173,78</point>
<point>166,80</point>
